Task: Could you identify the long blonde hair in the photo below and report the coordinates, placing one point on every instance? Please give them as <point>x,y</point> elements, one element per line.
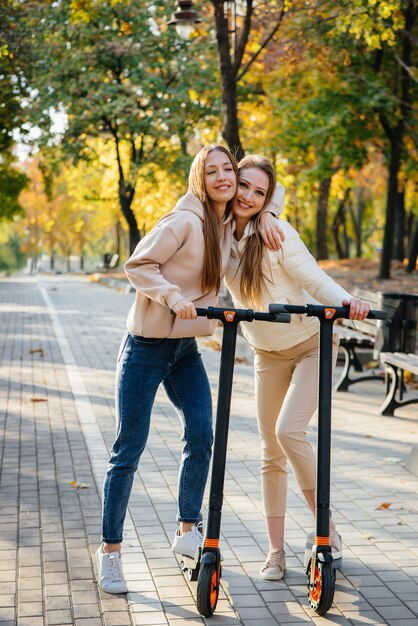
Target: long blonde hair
<point>252,278</point>
<point>211,274</point>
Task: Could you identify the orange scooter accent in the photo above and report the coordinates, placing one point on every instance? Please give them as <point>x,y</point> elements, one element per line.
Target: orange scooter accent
<point>322,541</point>
<point>229,316</point>
<point>211,543</point>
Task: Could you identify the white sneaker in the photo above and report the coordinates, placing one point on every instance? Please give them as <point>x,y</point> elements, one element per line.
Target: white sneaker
<point>275,566</point>
<point>111,577</point>
<point>188,543</point>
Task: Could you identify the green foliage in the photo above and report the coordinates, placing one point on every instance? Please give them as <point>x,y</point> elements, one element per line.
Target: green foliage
<point>116,69</point>
<point>11,256</point>
<point>11,184</point>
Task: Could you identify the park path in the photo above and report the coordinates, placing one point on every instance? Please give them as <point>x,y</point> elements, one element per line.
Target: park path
<point>59,340</point>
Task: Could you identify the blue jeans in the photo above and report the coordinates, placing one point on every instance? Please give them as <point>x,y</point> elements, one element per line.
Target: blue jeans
<point>142,365</point>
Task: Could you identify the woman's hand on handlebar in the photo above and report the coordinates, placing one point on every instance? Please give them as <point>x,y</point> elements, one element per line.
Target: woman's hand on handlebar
<point>358,308</point>
<point>185,310</point>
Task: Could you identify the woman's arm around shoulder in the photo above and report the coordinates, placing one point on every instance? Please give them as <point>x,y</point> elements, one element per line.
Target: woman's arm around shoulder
<point>269,227</point>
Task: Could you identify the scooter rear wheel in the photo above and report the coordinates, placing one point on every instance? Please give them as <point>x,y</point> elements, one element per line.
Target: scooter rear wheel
<point>207,588</point>
<point>321,595</point>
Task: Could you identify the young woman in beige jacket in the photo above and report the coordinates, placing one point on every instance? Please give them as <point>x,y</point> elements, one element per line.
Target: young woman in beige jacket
<point>285,355</point>
<point>176,267</point>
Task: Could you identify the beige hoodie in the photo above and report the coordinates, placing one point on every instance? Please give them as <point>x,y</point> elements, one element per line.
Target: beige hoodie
<point>166,267</point>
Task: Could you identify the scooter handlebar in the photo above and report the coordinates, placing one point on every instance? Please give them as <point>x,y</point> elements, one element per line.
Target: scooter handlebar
<point>243,315</point>
<point>326,312</point>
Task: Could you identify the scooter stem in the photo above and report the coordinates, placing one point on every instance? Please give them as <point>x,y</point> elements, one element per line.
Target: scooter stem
<point>324,428</point>
<point>226,373</point>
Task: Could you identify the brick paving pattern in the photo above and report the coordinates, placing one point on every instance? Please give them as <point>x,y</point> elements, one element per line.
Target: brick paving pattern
<point>59,341</point>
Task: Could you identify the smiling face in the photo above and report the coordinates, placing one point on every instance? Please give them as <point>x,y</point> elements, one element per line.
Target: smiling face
<point>253,188</point>
<point>220,179</point>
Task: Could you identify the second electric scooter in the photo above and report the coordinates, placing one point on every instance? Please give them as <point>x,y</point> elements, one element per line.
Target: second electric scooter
<point>321,571</point>
<point>206,566</point>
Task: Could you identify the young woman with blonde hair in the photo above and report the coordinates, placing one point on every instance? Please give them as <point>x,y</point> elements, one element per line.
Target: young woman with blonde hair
<point>285,355</point>
<point>177,266</point>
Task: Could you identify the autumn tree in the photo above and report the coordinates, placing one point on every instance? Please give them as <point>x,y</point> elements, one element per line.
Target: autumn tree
<point>243,31</point>
<point>117,72</point>
<point>381,61</point>
<point>12,116</point>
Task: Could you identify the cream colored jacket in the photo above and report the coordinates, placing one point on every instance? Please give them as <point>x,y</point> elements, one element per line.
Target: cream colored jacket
<point>293,277</point>
<point>166,267</point>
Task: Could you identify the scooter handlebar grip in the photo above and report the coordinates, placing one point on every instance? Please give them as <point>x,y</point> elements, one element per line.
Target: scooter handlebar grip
<point>378,315</point>
<point>286,308</point>
<point>284,317</point>
<point>205,312</point>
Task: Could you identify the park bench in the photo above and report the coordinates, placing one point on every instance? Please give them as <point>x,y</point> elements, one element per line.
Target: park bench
<point>357,336</point>
<point>395,334</point>
<point>396,363</point>
<point>110,261</point>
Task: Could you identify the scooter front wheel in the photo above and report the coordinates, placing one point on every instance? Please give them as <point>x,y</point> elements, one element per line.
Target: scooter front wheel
<point>208,588</point>
<point>321,593</point>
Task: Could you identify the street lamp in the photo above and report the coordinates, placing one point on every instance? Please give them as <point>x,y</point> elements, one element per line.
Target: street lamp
<point>184,19</point>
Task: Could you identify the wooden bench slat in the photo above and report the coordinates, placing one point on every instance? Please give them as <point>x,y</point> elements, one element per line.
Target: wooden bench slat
<point>398,362</point>
<point>399,359</point>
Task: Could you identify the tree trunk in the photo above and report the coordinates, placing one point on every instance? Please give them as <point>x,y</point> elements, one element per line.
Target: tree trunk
<point>321,219</point>
<point>395,135</point>
<point>342,249</point>
<point>399,248</point>
<point>118,237</point>
<point>230,130</point>
<point>126,195</point>
<point>357,219</point>
<point>413,249</point>
<point>391,204</point>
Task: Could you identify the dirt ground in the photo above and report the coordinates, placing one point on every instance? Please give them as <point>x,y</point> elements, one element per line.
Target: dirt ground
<point>363,273</point>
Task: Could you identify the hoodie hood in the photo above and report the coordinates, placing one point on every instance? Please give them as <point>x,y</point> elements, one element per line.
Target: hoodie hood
<point>189,202</point>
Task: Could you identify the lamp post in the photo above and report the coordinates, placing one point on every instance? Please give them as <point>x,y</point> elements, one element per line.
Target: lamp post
<point>185,19</point>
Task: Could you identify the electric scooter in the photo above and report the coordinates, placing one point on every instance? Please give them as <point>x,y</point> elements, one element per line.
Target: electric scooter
<point>321,571</point>
<point>206,565</point>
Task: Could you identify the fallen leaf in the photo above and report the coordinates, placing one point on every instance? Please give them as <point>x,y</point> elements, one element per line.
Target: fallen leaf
<point>78,485</point>
<point>38,400</point>
<point>215,345</point>
<point>383,506</point>
<point>37,350</point>
<point>241,359</point>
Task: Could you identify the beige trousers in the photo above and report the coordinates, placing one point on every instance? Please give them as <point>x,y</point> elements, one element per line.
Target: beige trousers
<point>286,388</point>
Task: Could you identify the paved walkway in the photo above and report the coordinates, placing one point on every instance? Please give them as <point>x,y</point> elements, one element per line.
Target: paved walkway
<point>59,339</point>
